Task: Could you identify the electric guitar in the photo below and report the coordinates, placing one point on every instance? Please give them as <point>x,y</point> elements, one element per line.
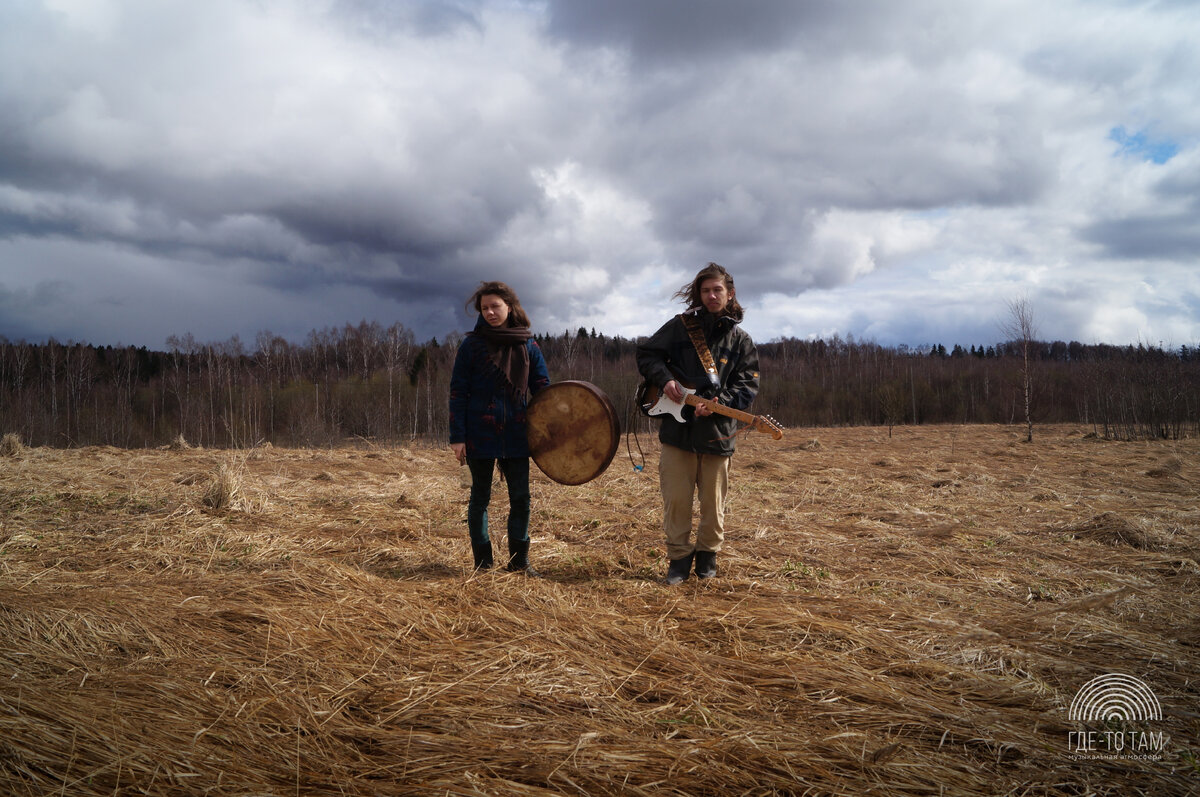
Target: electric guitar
<point>653,401</point>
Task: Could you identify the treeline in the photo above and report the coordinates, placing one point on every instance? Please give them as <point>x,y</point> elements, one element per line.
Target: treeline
<point>374,382</point>
<point>1125,392</point>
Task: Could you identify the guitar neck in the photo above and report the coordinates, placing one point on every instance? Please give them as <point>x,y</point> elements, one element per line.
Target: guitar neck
<point>720,409</point>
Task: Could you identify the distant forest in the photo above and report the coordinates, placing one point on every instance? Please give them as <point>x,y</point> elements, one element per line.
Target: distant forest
<point>378,383</point>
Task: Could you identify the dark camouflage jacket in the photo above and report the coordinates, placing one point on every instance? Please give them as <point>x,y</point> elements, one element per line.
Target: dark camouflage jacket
<point>669,354</point>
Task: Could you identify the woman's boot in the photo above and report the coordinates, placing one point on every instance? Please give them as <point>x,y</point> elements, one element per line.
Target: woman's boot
<point>518,557</point>
<point>483,554</point>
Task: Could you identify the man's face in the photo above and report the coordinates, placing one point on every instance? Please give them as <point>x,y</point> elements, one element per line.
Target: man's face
<point>714,294</point>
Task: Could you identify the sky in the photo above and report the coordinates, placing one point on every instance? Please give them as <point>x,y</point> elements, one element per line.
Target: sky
<point>896,172</point>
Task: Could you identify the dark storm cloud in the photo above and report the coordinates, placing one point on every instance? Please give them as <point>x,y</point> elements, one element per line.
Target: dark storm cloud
<point>289,166</point>
<point>420,222</point>
<point>1147,237</point>
<point>1167,229</point>
<point>785,112</point>
<point>381,18</point>
<point>702,31</point>
<point>21,308</point>
<point>1182,185</point>
<point>213,171</point>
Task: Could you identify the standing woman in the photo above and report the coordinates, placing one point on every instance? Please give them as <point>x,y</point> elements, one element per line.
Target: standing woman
<point>497,370</point>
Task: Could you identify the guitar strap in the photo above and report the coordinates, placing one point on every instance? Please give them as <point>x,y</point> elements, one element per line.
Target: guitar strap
<point>696,333</point>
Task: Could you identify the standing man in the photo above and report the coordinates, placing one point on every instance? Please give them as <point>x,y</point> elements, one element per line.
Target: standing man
<point>705,349</point>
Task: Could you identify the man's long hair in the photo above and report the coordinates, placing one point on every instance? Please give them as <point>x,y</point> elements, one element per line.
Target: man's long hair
<point>516,313</point>
<point>690,293</point>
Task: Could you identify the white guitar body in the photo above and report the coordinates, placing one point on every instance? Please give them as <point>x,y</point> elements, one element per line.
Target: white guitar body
<point>665,406</point>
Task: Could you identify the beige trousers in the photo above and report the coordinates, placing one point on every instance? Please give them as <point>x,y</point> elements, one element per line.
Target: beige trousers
<point>681,475</point>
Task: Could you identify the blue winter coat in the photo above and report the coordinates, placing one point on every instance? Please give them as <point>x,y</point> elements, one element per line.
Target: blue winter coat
<point>483,413</point>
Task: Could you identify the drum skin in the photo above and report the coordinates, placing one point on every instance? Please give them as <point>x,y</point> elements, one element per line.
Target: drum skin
<point>573,431</point>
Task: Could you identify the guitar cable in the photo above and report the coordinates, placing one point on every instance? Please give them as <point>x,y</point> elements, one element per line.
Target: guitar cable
<point>630,418</point>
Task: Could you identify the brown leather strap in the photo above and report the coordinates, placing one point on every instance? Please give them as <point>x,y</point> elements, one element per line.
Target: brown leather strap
<point>692,325</point>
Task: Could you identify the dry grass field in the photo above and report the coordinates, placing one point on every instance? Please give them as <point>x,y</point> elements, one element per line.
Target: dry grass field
<point>906,616</point>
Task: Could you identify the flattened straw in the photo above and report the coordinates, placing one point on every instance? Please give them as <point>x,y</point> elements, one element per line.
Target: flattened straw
<point>868,631</point>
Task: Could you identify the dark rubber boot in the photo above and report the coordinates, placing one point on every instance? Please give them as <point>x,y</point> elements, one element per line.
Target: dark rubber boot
<point>483,555</point>
<point>706,564</point>
<point>518,558</point>
<point>679,570</point>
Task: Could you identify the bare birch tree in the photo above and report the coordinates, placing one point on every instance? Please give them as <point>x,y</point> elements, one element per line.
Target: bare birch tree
<point>1021,329</point>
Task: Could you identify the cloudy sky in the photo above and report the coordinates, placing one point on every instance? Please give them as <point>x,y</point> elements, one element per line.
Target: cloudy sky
<point>894,171</point>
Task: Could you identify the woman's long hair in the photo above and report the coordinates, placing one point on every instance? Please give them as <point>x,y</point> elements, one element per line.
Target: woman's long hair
<point>516,313</point>
<point>690,293</point>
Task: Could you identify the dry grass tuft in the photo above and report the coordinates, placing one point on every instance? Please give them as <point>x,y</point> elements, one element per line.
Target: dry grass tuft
<point>224,487</point>
<point>1171,466</point>
<point>180,443</point>
<point>307,622</point>
<point>1112,529</point>
<point>11,446</point>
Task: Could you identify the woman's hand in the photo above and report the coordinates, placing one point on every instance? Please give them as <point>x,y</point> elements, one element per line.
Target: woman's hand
<point>460,451</point>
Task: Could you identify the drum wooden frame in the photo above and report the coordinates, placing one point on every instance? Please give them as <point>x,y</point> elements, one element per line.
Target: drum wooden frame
<point>573,431</point>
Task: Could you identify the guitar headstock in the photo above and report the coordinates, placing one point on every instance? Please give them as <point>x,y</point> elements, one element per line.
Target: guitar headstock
<point>767,424</point>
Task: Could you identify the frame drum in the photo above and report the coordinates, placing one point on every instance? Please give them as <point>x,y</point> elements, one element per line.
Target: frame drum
<point>573,431</point>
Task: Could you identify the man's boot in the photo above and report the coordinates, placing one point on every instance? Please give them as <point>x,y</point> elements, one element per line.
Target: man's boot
<point>483,555</point>
<point>706,564</point>
<point>679,570</point>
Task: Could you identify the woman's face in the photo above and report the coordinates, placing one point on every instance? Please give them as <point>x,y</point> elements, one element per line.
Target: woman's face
<point>494,309</point>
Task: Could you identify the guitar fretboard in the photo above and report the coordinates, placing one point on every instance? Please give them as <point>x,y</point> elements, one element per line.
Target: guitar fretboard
<point>757,421</point>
